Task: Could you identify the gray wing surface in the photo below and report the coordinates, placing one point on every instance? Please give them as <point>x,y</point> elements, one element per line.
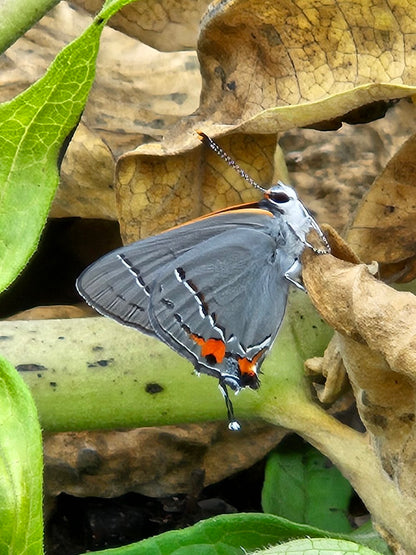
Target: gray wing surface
<point>119,284</point>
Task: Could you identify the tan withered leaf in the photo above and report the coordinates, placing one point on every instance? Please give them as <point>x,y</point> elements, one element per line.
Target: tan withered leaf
<point>363,308</point>
<point>270,66</point>
<point>376,340</point>
<point>178,188</point>
<point>257,55</point>
<point>166,25</point>
<point>384,225</point>
<point>80,191</point>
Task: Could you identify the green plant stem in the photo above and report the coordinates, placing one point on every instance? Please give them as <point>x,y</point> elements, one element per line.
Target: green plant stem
<point>17,16</point>
<point>92,373</point>
<point>353,454</point>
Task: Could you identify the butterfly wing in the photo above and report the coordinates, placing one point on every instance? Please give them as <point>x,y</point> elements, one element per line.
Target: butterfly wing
<point>119,284</point>
<point>222,302</point>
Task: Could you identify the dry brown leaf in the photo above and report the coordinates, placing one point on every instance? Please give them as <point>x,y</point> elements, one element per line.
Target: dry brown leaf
<point>384,225</point>
<point>181,187</point>
<point>366,309</point>
<point>167,25</point>
<point>80,191</point>
<point>267,67</point>
<point>152,461</point>
<point>376,328</point>
<point>257,55</point>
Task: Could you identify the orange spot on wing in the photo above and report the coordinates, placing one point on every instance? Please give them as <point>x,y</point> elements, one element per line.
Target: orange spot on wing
<point>248,367</point>
<point>211,347</point>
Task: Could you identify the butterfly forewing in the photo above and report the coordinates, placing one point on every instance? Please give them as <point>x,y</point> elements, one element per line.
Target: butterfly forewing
<point>119,284</point>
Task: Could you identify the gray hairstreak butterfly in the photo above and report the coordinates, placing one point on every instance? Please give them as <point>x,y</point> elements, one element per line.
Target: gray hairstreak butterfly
<point>214,289</point>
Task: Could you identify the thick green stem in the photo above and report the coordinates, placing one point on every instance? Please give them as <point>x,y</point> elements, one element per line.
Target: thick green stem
<point>93,373</point>
<point>353,454</point>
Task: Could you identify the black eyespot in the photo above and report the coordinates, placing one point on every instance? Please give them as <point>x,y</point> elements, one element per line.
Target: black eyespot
<point>278,196</point>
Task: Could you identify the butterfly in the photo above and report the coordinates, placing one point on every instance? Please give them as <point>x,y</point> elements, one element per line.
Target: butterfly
<point>214,289</point>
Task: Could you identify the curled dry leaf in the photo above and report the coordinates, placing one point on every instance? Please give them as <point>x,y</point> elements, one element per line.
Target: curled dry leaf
<point>167,25</point>
<point>157,191</point>
<point>376,339</point>
<point>359,306</point>
<point>257,55</point>
<point>384,225</point>
<point>152,461</point>
<point>267,67</point>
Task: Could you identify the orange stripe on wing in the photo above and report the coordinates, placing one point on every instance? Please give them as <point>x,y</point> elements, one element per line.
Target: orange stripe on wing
<point>248,208</point>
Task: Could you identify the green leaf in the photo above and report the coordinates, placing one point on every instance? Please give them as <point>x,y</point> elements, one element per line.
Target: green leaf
<point>19,15</point>
<point>21,529</point>
<point>366,535</point>
<point>33,129</point>
<point>302,485</point>
<point>223,535</point>
<point>318,546</point>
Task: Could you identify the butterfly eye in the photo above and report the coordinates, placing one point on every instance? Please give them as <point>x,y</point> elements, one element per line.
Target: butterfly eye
<point>278,196</point>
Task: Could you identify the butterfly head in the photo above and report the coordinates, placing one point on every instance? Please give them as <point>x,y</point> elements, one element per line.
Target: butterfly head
<point>283,201</point>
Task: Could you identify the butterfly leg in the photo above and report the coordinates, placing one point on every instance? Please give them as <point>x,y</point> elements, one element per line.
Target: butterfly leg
<point>294,275</point>
<point>233,424</point>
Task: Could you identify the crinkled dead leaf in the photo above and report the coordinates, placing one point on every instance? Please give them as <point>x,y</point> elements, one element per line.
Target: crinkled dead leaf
<point>167,25</point>
<point>157,191</point>
<point>153,461</point>
<point>257,55</point>
<point>376,338</point>
<point>359,306</point>
<point>267,67</point>
<point>384,225</point>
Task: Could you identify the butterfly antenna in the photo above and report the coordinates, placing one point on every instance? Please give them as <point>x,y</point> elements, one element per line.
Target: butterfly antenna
<point>207,141</point>
<point>233,424</point>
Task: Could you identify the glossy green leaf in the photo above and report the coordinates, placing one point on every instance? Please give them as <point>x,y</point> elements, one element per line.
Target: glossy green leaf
<point>33,129</point>
<point>21,530</point>
<point>302,485</point>
<point>318,546</point>
<point>224,535</point>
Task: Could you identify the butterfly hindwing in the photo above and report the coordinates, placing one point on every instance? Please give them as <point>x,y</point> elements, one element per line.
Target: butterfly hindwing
<point>201,306</point>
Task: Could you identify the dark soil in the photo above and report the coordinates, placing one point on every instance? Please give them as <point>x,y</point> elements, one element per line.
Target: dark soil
<point>78,525</point>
